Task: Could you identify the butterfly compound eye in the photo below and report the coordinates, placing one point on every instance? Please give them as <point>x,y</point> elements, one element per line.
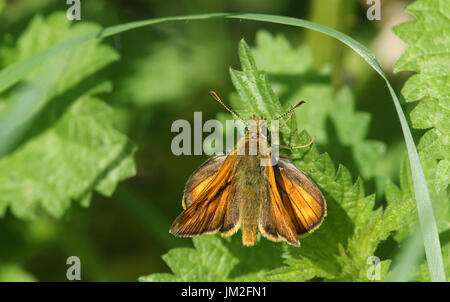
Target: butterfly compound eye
<point>264,131</point>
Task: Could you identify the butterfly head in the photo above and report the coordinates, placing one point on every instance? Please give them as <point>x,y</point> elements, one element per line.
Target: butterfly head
<point>257,125</point>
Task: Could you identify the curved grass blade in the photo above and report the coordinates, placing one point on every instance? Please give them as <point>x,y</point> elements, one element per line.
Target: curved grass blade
<point>14,73</point>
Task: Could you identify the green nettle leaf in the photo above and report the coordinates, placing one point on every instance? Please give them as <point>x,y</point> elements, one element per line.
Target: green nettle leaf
<point>62,73</point>
<point>405,191</point>
<point>428,55</point>
<point>338,250</point>
<point>76,64</point>
<point>81,152</point>
<point>276,56</point>
<point>209,261</point>
<point>219,259</point>
<point>74,149</point>
<point>253,86</point>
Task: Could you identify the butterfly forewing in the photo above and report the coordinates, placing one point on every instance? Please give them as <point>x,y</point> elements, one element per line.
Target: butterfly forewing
<point>209,200</point>
<point>202,178</point>
<point>275,223</point>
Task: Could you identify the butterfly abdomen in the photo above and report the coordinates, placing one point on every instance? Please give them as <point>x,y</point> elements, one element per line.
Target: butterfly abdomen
<point>250,182</point>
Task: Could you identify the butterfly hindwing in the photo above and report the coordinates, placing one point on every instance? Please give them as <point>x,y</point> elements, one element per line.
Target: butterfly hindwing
<point>293,205</point>
<point>301,198</point>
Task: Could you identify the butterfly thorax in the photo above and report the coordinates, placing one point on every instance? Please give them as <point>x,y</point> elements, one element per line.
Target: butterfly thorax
<point>255,140</point>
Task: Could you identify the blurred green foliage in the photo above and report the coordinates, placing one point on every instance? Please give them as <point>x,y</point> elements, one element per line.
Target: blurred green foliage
<point>93,109</point>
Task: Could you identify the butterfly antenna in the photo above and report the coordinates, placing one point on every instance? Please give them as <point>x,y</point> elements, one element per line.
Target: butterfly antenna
<point>290,112</point>
<point>215,96</point>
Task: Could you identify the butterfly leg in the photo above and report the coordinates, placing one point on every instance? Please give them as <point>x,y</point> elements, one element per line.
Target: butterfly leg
<point>299,147</point>
<point>284,123</point>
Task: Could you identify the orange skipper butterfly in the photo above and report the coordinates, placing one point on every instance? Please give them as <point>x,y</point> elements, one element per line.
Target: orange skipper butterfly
<point>232,191</point>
